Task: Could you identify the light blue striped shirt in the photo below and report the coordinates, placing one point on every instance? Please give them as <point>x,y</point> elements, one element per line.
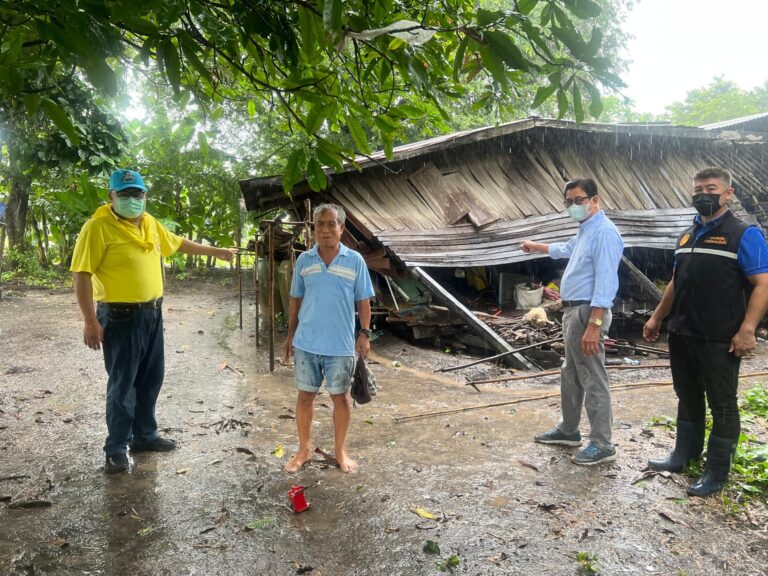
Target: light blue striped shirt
<point>594,255</point>
<point>329,293</point>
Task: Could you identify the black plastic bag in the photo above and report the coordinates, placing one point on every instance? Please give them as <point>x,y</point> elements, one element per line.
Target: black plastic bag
<point>360,391</point>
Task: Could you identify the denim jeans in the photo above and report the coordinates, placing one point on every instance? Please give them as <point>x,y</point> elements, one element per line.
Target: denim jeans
<point>134,357</point>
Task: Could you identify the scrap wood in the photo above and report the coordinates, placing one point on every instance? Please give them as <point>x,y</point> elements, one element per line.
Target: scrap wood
<point>553,372</point>
<point>497,356</point>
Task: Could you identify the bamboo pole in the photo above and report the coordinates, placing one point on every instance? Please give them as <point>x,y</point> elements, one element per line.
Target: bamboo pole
<point>553,372</point>
<point>256,287</point>
<point>271,296</point>
<point>238,268</point>
<point>503,354</point>
<point>620,387</point>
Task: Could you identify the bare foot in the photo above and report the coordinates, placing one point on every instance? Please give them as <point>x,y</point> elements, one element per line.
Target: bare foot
<point>345,462</point>
<point>298,460</point>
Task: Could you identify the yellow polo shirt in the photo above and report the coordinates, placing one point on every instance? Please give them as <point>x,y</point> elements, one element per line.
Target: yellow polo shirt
<point>125,261</point>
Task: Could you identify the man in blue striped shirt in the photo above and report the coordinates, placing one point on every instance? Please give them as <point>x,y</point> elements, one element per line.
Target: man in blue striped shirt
<point>329,282</point>
<point>588,287</point>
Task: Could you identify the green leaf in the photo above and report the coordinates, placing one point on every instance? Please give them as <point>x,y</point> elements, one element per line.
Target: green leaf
<point>171,64</point>
<point>202,142</point>
<point>359,137</point>
<point>562,103</point>
<point>526,6</point>
<point>453,561</point>
<point>329,154</point>
<point>32,103</point>
<point>293,169</point>
<point>101,76</point>
<point>593,46</point>
<point>317,115</point>
<point>503,45</point>
<point>578,105</point>
<point>458,61</point>
<point>431,547</point>
<point>260,524</point>
<point>542,94</point>
<point>595,102</point>
<point>487,17</point>
<point>493,64</point>
<point>332,11</point>
<point>308,28</point>
<point>251,108</point>
<point>584,9</point>
<point>61,120</point>
<point>482,101</point>
<point>316,175</point>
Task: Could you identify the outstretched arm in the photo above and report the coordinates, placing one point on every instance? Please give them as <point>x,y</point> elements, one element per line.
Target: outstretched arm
<point>197,249</point>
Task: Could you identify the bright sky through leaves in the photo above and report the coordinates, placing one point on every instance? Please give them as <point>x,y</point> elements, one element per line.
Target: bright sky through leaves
<point>681,45</point>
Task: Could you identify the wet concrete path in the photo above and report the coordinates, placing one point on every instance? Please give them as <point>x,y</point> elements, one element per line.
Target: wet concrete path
<point>218,504</point>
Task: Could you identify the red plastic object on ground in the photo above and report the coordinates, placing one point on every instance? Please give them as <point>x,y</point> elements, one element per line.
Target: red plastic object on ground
<point>296,494</point>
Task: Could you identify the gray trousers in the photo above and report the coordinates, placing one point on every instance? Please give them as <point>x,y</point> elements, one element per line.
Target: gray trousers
<point>584,380</point>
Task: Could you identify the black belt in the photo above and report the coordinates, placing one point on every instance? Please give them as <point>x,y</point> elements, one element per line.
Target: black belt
<point>573,303</point>
<point>149,305</point>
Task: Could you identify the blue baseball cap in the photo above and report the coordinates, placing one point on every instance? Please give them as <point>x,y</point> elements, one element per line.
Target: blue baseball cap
<point>122,179</point>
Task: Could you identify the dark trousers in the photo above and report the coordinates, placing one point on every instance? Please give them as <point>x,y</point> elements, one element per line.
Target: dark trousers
<point>703,369</point>
<point>134,357</point>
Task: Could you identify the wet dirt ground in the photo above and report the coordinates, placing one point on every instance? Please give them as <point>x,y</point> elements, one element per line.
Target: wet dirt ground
<point>218,504</point>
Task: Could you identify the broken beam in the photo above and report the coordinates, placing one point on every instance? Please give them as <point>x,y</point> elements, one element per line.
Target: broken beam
<point>477,326</point>
<point>642,279</point>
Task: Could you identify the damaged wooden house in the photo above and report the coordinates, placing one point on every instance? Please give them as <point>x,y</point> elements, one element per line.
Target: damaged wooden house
<point>444,218</point>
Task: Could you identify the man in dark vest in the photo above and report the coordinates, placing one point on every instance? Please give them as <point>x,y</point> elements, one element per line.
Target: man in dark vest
<point>716,298</point>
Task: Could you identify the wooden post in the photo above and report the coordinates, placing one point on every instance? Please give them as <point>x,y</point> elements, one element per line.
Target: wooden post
<point>256,283</point>
<point>271,296</point>
<point>646,284</point>
<point>238,268</point>
<point>308,224</point>
<point>476,325</point>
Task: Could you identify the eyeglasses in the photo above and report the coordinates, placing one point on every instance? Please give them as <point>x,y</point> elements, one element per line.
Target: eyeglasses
<point>579,201</point>
<point>130,193</point>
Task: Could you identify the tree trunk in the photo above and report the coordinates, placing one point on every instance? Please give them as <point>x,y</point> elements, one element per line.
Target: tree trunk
<point>16,211</point>
<point>39,237</point>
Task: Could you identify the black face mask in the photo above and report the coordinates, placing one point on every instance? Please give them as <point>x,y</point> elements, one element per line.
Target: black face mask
<point>707,204</point>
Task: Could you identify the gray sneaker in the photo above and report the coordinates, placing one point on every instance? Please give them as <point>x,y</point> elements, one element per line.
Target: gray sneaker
<point>555,436</point>
<point>593,454</point>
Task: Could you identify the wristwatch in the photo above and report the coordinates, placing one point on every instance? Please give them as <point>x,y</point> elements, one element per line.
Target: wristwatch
<point>367,332</point>
<point>596,321</point>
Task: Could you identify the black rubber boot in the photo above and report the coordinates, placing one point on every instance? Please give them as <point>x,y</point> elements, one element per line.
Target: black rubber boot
<point>719,457</point>
<point>689,443</point>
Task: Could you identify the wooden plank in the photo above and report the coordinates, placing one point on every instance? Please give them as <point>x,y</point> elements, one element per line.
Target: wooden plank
<point>477,326</point>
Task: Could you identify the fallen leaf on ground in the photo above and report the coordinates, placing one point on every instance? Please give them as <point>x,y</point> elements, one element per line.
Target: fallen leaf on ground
<point>279,452</point>
<point>145,531</point>
<point>670,518</point>
<point>423,512</point>
<point>528,465</point>
<point>182,470</point>
<point>431,547</point>
<point>60,542</point>
<point>244,450</point>
<point>260,524</point>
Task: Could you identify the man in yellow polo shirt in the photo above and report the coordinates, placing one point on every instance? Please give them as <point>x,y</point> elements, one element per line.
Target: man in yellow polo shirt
<point>118,262</point>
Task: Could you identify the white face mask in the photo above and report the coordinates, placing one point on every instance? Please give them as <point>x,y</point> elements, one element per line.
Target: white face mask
<point>578,213</point>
